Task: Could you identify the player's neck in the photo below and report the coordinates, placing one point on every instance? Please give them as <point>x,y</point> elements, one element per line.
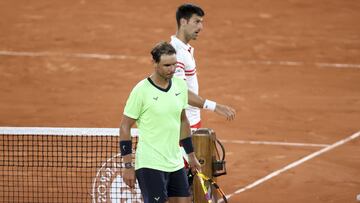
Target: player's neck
<point>160,81</point>
<point>181,36</point>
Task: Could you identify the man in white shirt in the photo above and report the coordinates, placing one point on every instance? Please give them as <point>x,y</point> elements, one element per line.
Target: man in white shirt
<point>189,19</point>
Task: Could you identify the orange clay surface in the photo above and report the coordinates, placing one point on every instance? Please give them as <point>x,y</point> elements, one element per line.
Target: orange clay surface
<point>291,69</point>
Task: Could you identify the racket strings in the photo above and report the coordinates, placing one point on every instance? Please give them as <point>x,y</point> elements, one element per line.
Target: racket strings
<point>203,178</point>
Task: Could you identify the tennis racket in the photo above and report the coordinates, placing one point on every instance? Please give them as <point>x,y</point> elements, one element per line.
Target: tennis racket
<point>205,182</point>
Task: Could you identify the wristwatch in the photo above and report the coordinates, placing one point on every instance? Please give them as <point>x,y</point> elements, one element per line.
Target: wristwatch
<point>128,165</point>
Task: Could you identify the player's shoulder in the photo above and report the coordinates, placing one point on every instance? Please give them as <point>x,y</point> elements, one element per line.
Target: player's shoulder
<point>177,44</point>
<point>142,84</point>
<point>179,82</point>
<point>174,41</point>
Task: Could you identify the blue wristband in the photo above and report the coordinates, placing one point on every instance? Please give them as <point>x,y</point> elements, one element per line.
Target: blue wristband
<point>125,147</point>
<point>187,144</point>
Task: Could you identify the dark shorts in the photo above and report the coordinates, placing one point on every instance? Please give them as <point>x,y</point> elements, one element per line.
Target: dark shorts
<point>156,186</point>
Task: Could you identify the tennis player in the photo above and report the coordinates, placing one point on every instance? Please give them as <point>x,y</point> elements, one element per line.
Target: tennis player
<point>157,105</point>
<point>189,18</point>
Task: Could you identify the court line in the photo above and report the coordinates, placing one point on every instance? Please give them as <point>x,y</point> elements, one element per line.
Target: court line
<point>294,164</point>
<point>66,131</point>
<point>122,57</point>
<point>337,65</point>
<point>274,143</point>
<point>71,55</point>
<point>300,63</point>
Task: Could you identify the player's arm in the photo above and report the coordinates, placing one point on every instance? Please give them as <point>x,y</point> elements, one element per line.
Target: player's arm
<point>126,150</point>
<point>195,100</point>
<point>223,110</point>
<point>186,142</point>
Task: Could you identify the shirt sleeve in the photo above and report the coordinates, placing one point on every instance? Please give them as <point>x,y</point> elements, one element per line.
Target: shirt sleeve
<point>186,95</point>
<point>180,67</point>
<point>134,104</point>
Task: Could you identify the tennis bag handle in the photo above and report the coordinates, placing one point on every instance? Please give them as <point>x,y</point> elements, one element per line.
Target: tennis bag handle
<point>218,162</point>
<point>219,167</point>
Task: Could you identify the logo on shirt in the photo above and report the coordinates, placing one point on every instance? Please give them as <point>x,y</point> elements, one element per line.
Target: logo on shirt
<point>155,98</point>
<point>177,94</point>
<point>156,198</point>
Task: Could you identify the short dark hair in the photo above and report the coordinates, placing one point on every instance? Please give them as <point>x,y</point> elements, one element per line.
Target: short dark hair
<point>187,10</point>
<point>162,48</point>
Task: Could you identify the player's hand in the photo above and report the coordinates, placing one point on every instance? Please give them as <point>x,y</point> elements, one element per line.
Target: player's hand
<point>129,177</point>
<point>226,111</point>
<point>194,163</point>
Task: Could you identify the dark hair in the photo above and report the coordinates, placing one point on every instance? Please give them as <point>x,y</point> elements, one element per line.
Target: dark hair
<point>162,48</point>
<point>186,11</point>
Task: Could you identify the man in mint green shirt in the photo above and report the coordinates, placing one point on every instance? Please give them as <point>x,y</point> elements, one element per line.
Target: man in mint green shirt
<point>157,105</point>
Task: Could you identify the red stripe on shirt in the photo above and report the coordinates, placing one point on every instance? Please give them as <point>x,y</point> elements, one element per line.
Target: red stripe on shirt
<point>178,62</point>
<point>180,67</point>
<point>189,74</point>
<point>193,70</point>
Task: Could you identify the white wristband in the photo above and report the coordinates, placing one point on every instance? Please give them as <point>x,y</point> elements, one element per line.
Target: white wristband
<point>208,104</point>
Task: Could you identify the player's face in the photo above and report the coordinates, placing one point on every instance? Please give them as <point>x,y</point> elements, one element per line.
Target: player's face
<point>166,66</point>
<point>193,27</point>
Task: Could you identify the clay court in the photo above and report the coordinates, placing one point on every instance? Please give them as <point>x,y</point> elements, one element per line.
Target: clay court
<point>291,69</point>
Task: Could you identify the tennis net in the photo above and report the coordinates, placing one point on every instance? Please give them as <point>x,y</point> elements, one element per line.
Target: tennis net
<point>63,165</point>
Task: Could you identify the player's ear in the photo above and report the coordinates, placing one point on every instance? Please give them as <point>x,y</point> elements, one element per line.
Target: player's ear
<point>183,21</point>
<point>154,63</point>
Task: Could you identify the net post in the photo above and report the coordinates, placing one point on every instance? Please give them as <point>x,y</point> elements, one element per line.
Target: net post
<point>203,141</point>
